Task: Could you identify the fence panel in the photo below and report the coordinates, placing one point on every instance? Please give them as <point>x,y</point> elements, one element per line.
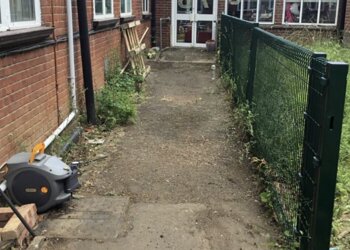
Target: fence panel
<point>235,45</point>
<point>278,92</point>
<point>297,99</point>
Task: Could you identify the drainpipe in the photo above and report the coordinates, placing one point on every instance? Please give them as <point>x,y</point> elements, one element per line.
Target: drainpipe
<point>161,29</point>
<point>86,62</point>
<point>71,77</point>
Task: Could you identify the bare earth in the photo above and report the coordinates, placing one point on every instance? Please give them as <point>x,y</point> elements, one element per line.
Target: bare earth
<point>179,173</point>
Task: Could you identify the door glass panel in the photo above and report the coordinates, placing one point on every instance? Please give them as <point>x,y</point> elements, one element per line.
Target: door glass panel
<point>184,31</point>
<point>184,6</point>
<point>205,7</point>
<point>204,31</point>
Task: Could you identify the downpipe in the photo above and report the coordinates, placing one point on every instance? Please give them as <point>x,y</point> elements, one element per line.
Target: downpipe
<point>71,77</point>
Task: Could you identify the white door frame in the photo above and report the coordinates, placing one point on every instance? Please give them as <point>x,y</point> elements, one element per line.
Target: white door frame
<point>193,17</point>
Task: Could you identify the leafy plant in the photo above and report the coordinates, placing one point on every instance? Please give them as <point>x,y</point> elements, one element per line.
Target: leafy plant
<point>116,103</point>
<point>115,107</point>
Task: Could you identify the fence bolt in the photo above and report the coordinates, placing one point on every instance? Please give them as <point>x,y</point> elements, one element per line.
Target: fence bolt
<point>213,68</point>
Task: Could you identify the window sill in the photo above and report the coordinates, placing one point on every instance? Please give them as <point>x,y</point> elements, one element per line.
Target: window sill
<point>15,38</point>
<point>105,23</point>
<point>126,19</point>
<point>146,16</point>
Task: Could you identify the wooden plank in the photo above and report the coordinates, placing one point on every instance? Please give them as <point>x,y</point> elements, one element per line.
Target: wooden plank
<point>131,24</point>
<point>144,35</point>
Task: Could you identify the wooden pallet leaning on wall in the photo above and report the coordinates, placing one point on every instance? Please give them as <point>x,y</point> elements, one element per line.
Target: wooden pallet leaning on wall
<point>135,48</point>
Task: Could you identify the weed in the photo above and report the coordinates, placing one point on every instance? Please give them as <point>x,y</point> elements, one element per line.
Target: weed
<point>115,107</point>
<point>116,104</point>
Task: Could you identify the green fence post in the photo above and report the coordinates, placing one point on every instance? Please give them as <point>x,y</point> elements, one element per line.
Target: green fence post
<point>322,140</point>
<point>331,125</point>
<point>307,188</point>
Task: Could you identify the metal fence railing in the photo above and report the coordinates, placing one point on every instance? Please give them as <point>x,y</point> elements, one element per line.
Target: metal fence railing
<point>297,100</point>
<point>236,36</point>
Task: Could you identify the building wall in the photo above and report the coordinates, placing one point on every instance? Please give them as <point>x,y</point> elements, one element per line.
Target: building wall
<point>163,9</point>
<point>34,89</point>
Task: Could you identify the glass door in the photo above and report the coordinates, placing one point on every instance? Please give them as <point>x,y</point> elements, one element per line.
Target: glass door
<point>194,22</point>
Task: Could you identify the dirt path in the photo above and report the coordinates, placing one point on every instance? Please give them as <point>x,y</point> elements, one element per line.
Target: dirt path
<point>182,150</point>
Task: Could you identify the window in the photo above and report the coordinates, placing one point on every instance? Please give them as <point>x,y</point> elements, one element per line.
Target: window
<point>145,6</point>
<point>16,14</point>
<point>103,9</point>
<point>261,11</point>
<point>311,12</point>
<point>125,8</point>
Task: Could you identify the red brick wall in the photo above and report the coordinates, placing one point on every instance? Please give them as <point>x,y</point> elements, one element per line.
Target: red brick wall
<point>347,17</point>
<point>28,99</point>
<point>163,10</point>
<point>34,89</point>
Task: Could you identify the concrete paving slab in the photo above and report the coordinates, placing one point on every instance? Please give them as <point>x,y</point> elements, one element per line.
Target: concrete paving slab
<point>190,55</point>
<point>152,226</point>
<point>98,218</point>
<point>164,226</point>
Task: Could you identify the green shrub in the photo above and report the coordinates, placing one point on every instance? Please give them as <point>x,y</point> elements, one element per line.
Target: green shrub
<point>126,82</point>
<point>116,103</point>
<point>115,107</point>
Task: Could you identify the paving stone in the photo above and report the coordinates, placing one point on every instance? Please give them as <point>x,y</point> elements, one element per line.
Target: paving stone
<point>98,218</point>
<point>164,226</point>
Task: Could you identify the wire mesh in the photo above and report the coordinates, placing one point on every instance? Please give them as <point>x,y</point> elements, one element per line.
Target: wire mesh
<point>235,52</point>
<point>279,99</point>
<point>280,93</point>
<point>296,98</point>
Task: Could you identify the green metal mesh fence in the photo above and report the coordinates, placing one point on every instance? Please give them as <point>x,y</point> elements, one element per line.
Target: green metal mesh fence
<point>297,100</point>
<point>235,41</point>
<point>279,100</point>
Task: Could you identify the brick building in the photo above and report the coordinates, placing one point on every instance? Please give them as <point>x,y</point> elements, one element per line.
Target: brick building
<point>35,91</point>
<point>193,22</point>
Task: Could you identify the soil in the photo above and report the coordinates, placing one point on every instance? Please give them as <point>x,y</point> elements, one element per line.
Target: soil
<point>183,148</point>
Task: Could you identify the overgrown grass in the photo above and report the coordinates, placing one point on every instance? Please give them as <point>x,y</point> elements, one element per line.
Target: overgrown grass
<point>341,224</point>
<point>116,102</point>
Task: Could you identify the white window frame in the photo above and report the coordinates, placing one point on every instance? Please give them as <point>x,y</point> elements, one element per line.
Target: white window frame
<point>125,14</point>
<point>7,24</point>
<point>300,23</point>
<point>257,10</point>
<point>104,15</point>
<point>145,6</point>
